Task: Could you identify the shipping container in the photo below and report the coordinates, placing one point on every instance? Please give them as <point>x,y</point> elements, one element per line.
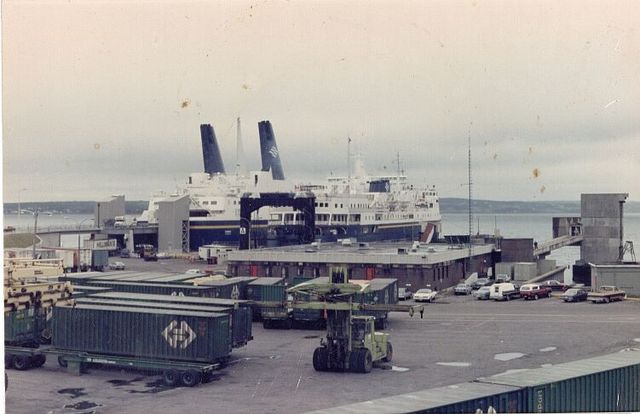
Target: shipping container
<point>229,288</point>
<point>240,322</point>
<point>156,288</point>
<point>380,291</point>
<point>606,383</point>
<point>181,278</point>
<point>99,259</point>
<point>266,289</point>
<point>20,327</point>
<point>83,290</point>
<point>192,300</point>
<point>146,333</point>
<point>467,398</point>
<point>242,311</point>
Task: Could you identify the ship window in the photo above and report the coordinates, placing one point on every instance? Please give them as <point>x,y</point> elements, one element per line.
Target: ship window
<point>340,205</point>
<point>227,232</point>
<point>430,205</point>
<point>206,203</point>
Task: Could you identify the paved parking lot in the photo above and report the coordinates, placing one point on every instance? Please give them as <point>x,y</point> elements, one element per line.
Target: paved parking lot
<point>458,340</point>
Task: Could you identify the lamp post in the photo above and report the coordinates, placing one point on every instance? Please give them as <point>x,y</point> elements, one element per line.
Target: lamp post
<point>79,224</point>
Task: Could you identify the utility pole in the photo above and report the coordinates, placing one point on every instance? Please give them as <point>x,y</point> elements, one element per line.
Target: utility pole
<point>470,197</point>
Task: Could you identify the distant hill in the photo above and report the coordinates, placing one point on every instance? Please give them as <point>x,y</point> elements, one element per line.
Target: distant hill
<point>447,205</point>
<point>72,207</point>
<point>461,205</point>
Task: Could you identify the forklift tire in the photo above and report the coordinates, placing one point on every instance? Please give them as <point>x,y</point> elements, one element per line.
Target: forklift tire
<point>365,361</point>
<point>190,378</point>
<point>389,355</point>
<point>38,360</point>
<point>320,359</point>
<point>21,362</point>
<point>170,378</point>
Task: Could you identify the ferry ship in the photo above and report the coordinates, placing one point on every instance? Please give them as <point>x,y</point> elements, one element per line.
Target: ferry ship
<point>361,207</point>
<point>365,208</point>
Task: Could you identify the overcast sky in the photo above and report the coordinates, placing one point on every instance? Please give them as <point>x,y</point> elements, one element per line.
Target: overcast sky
<point>107,97</point>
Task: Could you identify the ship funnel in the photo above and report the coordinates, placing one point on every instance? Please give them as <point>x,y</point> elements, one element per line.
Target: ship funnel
<point>210,151</point>
<point>269,151</point>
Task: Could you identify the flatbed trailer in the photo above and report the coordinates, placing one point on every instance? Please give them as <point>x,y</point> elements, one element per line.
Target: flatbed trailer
<point>174,373</point>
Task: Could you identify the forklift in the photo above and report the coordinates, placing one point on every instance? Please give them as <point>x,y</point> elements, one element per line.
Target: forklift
<point>352,343</point>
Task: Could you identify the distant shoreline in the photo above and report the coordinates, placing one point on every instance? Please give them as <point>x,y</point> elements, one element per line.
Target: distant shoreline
<point>448,205</point>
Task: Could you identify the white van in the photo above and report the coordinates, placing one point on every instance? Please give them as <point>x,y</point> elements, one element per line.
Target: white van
<point>503,291</point>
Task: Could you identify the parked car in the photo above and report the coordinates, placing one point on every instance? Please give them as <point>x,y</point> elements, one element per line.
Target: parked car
<point>116,266</point>
<point>462,289</point>
<point>504,291</point>
<point>574,295</point>
<point>480,282</point>
<point>425,295</point>
<point>124,253</point>
<point>534,291</point>
<point>503,278</point>
<point>404,294</point>
<point>482,293</point>
<point>555,285</point>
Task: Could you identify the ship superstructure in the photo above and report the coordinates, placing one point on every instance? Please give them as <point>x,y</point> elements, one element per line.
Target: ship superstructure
<point>360,206</point>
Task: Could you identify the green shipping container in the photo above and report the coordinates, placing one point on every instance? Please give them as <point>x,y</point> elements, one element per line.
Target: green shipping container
<point>156,288</point>
<point>147,333</point>
<point>84,290</point>
<point>20,327</point>
<point>230,288</point>
<point>240,322</point>
<point>607,383</point>
<point>267,289</point>
<point>381,291</point>
<point>468,397</point>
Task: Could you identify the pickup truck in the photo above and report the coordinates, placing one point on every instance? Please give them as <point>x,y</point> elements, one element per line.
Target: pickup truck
<point>606,294</point>
<point>534,291</point>
<point>504,291</point>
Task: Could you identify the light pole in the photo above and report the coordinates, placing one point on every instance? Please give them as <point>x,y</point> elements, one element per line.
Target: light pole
<point>79,224</point>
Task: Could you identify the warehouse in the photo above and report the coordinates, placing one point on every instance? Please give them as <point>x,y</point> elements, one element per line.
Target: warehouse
<point>414,265</point>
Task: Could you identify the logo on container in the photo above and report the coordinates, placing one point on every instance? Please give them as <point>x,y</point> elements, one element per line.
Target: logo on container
<point>178,335</point>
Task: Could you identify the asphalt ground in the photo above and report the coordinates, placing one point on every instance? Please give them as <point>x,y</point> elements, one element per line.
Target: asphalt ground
<point>459,339</point>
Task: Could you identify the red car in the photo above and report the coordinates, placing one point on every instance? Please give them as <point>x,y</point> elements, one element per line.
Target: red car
<point>533,291</point>
<point>555,285</point>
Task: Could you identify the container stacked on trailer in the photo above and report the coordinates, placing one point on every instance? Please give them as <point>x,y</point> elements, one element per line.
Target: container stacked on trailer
<point>28,303</point>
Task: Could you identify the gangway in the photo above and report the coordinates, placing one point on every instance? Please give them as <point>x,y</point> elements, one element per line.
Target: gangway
<point>547,247</point>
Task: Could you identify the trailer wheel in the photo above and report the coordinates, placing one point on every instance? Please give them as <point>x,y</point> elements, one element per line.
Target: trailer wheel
<point>62,362</point>
<point>170,377</point>
<point>320,359</point>
<point>38,360</point>
<point>8,361</point>
<point>190,378</point>
<point>21,362</point>
<point>288,323</point>
<point>366,361</point>
<point>389,355</point>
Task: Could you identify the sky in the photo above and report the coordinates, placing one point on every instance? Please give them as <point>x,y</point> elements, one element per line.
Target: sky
<point>106,97</point>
